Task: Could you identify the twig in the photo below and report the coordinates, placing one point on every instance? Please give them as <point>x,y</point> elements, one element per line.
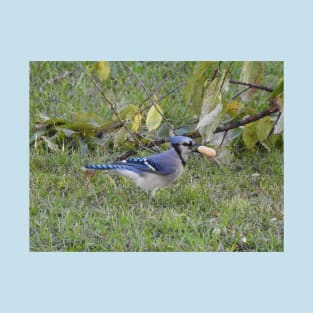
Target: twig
<point>272,130</point>
<point>224,136</point>
<point>227,73</point>
<point>55,79</point>
<point>240,92</point>
<point>158,87</point>
<point>112,107</point>
<point>164,96</point>
<point>275,107</point>
<point>149,95</point>
<point>137,78</point>
<point>251,85</point>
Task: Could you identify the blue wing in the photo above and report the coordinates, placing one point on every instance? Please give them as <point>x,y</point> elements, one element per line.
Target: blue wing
<point>137,165</point>
<point>147,163</point>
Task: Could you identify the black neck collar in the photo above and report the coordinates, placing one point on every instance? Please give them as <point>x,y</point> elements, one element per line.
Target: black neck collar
<point>176,147</point>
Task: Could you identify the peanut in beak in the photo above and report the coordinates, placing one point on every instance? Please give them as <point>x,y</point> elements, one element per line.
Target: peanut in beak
<point>209,152</point>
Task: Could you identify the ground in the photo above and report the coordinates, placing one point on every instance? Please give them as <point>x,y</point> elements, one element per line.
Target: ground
<point>212,207</point>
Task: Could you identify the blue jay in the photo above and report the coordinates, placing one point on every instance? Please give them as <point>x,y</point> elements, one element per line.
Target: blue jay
<point>155,171</point>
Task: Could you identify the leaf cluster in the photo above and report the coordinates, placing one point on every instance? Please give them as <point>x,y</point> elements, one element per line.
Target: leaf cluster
<point>209,96</point>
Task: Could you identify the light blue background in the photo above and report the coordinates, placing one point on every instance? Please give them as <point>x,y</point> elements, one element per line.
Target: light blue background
<point>156,282</point>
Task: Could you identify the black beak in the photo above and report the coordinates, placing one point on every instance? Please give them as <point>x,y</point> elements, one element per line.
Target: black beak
<point>195,148</point>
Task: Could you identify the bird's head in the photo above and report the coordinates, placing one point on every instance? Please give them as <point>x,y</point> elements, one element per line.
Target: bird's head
<point>183,146</point>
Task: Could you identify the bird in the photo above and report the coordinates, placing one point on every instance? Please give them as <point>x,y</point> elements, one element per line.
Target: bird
<point>155,171</point>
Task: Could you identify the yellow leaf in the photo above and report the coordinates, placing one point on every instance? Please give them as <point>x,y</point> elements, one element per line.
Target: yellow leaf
<point>136,122</point>
<point>252,72</point>
<point>263,127</point>
<point>232,107</point>
<point>103,70</point>
<point>154,118</point>
<point>132,116</point>
<point>249,135</point>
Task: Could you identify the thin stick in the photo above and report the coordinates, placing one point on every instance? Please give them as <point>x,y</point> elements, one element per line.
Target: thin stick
<point>112,107</point>
<point>251,85</point>
<point>149,95</point>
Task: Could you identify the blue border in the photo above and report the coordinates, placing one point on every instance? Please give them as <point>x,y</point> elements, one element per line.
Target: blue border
<point>152,282</point>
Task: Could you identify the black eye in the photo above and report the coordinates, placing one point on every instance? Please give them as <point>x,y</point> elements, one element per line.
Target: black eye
<point>187,143</point>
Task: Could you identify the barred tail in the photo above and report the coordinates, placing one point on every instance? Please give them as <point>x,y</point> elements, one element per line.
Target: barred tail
<point>113,167</point>
<point>100,167</point>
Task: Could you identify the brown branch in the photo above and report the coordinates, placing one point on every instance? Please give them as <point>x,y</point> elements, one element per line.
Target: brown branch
<point>224,136</point>
<point>112,107</point>
<point>130,70</point>
<point>239,93</point>
<point>275,107</point>
<point>251,85</point>
<point>164,96</point>
<point>149,95</point>
<point>273,128</point>
<point>159,86</point>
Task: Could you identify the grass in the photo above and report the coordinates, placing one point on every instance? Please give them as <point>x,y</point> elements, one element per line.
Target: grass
<point>223,209</point>
<point>210,208</point>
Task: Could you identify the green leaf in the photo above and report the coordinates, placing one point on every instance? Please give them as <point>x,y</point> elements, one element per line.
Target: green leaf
<point>249,135</point>
<point>212,107</point>
<point>103,70</point>
<point>278,91</point>
<point>84,128</point>
<point>120,137</point>
<point>275,141</point>
<point>154,118</point>
<point>132,116</point>
<point>211,96</point>
<point>253,73</point>
<point>209,121</point>
<point>195,84</point>
<point>263,128</point>
<point>212,93</point>
<point>164,131</point>
<point>67,132</point>
<point>88,118</point>
<point>185,129</point>
<point>129,109</point>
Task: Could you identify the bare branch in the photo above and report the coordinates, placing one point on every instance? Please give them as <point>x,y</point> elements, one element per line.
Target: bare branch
<point>164,96</point>
<point>250,85</point>
<point>55,79</point>
<point>153,102</point>
<point>159,86</point>
<point>239,93</point>
<point>130,70</point>
<point>112,107</point>
<point>275,107</point>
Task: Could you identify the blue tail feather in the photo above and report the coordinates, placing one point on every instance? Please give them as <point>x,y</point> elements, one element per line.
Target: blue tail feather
<point>112,167</point>
<point>102,167</point>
